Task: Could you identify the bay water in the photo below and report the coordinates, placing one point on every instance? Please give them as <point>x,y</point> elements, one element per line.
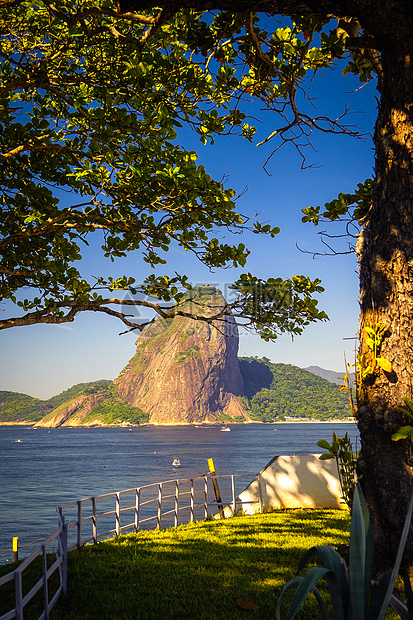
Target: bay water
<point>41,469</point>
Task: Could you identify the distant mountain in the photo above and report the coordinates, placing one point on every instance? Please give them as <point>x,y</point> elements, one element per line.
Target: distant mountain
<point>272,392</point>
<point>282,391</point>
<point>184,371</point>
<point>330,375</point>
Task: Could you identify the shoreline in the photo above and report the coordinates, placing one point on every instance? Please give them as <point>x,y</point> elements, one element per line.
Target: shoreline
<point>205,424</point>
<point>353,421</point>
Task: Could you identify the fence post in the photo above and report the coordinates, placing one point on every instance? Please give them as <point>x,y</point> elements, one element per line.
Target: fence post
<point>206,497</point>
<point>192,501</point>
<point>18,594</point>
<point>234,500</point>
<point>94,521</point>
<point>216,488</point>
<point>64,553</point>
<point>260,492</point>
<point>137,507</point>
<point>176,509</point>
<point>117,514</point>
<point>158,521</point>
<point>79,524</point>
<point>45,588</point>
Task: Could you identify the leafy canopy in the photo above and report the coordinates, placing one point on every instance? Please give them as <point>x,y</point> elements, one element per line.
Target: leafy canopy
<point>91,104</point>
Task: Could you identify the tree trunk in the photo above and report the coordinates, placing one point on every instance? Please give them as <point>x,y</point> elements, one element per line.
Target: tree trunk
<point>385,252</point>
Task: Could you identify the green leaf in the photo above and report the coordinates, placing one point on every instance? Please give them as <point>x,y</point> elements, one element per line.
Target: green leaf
<point>399,557</point>
<point>378,594</point>
<point>358,575</point>
<point>384,364</point>
<point>408,402</point>
<point>324,444</point>
<point>403,433</point>
<point>337,579</point>
<point>305,586</point>
<point>409,411</point>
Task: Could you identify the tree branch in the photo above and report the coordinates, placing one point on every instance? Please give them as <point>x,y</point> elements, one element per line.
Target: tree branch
<point>48,315</point>
<point>162,17</point>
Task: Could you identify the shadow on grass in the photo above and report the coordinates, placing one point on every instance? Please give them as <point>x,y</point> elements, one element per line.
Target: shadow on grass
<point>198,571</point>
<point>30,577</point>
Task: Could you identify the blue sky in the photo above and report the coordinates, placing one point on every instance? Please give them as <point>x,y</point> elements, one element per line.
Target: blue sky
<point>43,360</point>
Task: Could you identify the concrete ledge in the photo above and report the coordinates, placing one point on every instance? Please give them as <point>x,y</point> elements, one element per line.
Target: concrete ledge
<point>293,482</point>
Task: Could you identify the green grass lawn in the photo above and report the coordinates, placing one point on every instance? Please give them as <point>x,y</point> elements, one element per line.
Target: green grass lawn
<point>200,571</point>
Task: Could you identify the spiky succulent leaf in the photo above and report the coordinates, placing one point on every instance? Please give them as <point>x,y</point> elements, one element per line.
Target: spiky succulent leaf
<point>337,579</point>
<point>305,585</point>
<point>399,556</point>
<point>359,553</point>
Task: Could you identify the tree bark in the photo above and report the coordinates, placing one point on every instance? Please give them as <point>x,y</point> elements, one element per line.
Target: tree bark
<point>385,252</point>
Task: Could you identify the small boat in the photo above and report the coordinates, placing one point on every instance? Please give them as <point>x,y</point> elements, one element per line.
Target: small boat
<point>18,441</point>
<point>176,463</point>
<point>225,429</point>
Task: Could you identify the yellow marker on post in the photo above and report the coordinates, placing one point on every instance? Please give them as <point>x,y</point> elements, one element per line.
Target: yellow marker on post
<point>216,488</point>
<point>15,548</point>
<point>211,466</point>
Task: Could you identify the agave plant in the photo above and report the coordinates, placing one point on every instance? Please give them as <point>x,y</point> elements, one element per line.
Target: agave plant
<point>354,595</point>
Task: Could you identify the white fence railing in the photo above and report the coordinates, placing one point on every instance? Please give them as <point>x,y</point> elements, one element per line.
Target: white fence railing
<point>16,576</point>
<point>159,504</point>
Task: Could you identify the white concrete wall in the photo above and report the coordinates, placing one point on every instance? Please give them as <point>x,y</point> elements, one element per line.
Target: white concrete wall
<point>294,482</point>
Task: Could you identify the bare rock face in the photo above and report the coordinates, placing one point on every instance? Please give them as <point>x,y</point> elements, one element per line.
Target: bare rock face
<point>186,371</point>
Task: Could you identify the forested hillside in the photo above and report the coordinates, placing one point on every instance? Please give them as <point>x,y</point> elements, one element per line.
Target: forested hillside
<point>280,391</point>
<point>86,388</point>
<point>15,407</point>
